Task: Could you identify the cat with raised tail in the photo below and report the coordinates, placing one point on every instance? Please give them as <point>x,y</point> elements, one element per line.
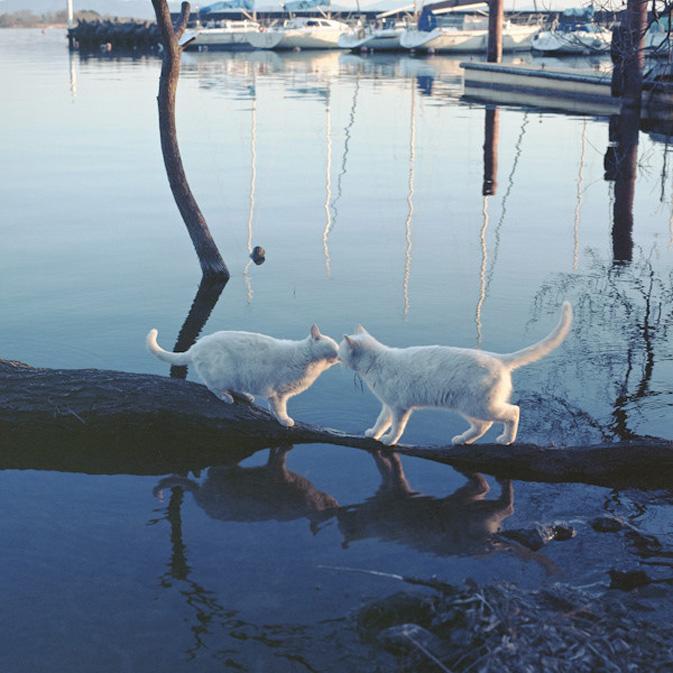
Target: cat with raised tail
<point>249,364</point>
<point>475,383</point>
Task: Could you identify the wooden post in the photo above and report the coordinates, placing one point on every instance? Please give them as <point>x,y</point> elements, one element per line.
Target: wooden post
<point>70,13</point>
<point>627,53</point>
<point>496,15</point>
<point>209,256</point>
<point>491,134</point>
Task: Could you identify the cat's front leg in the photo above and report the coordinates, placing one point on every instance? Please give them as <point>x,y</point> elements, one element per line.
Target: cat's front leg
<point>400,418</point>
<point>279,408</point>
<point>382,423</point>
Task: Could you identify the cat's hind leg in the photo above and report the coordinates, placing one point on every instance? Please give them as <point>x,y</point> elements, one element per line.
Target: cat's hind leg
<point>477,429</point>
<point>400,418</point>
<point>508,414</point>
<point>382,423</point>
<point>279,408</point>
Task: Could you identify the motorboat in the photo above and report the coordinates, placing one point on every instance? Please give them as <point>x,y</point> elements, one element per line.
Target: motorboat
<point>220,35</point>
<point>575,33</point>
<point>658,40</point>
<point>385,37</point>
<point>300,33</point>
<point>460,33</point>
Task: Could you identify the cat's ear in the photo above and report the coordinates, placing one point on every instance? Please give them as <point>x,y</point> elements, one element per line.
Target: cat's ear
<point>349,341</point>
<point>361,330</point>
<point>315,331</point>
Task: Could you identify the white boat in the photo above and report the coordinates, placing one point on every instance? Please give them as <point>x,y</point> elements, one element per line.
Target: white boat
<point>300,33</point>
<point>384,38</point>
<point>576,33</point>
<point>224,35</point>
<point>470,36</point>
<point>658,40</point>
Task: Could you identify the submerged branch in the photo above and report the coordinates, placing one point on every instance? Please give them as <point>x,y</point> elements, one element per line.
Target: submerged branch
<point>89,420</point>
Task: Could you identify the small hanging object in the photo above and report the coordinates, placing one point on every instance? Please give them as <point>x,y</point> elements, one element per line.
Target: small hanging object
<point>258,255</point>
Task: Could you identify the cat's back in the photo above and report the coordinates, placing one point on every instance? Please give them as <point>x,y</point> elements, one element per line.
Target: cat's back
<point>236,341</point>
<point>433,356</point>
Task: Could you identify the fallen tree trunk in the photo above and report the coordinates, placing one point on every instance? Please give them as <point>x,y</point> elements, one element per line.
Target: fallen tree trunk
<point>109,422</point>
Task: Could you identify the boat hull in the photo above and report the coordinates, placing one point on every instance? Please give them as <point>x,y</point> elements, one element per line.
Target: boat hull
<point>379,40</point>
<point>452,40</point>
<point>295,39</point>
<point>572,42</point>
<point>219,39</point>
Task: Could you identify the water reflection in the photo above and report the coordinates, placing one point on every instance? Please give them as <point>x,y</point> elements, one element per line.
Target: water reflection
<point>460,523</point>
<point>621,164</point>
<point>410,206</point>
<point>271,492</point>
<point>206,298</point>
<point>344,157</point>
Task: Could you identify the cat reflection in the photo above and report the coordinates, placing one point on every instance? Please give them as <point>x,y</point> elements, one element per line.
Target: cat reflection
<point>269,492</point>
<point>461,523</point>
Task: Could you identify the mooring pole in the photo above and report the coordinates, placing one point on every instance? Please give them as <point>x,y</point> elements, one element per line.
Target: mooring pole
<point>491,133</point>
<point>70,13</point>
<point>496,13</point>
<point>627,52</point>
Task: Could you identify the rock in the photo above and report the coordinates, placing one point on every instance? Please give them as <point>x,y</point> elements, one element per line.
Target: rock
<point>537,537</point>
<point>629,579</point>
<point>400,608</point>
<point>607,524</point>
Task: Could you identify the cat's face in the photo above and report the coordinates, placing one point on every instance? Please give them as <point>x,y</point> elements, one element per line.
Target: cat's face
<point>355,346</point>
<point>323,347</point>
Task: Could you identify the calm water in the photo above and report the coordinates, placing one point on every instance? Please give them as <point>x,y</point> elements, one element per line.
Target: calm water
<point>362,178</point>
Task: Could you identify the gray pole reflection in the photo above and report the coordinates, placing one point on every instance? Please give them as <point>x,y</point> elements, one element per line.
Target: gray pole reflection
<point>488,188</point>
<point>328,187</point>
<point>253,189</point>
<point>408,242</point>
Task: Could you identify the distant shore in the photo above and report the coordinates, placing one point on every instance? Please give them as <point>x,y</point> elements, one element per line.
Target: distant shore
<point>27,19</point>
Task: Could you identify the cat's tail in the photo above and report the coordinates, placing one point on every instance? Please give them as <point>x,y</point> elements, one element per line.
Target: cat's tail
<point>537,351</point>
<point>174,358</point>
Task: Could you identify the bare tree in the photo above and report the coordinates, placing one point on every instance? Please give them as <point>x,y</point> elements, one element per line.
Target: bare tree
<point>209,256</point>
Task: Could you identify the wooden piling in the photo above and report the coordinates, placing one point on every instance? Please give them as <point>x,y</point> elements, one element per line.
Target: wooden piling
<point>496,15</point>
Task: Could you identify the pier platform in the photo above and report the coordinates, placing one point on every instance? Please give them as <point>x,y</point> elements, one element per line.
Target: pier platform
<point>567,90</point>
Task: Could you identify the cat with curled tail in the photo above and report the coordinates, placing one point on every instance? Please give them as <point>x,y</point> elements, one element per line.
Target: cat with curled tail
<point>247,364</point>
<point>475,383</point>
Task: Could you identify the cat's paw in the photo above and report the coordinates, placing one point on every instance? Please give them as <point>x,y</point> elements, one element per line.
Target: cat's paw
<point>248,397</point>
<point>370,432</point>
<point>388,440</point>
<point>286,422</point>
<point>226,397</point>
<point>504,439</point>
<point>458,439</point>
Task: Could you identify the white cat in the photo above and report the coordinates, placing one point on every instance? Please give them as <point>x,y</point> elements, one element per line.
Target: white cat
<point>475,383</point>
<point>249,364</point>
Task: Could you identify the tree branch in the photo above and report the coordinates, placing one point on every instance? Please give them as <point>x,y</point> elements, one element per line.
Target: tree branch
<point>96,421</point>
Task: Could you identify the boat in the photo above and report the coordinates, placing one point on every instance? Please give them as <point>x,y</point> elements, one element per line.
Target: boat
<point>658,40</point>
<point>471,36</point>
<point>576,33</point>
<point>211,33</point>
<point>300,33</point>
<point>385,37</point>
<point>461,32</point>
<point>220,35</point>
